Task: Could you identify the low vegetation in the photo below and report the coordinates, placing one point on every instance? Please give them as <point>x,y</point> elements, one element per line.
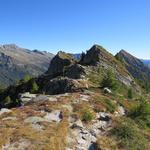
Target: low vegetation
<point>128,135</point>
<point>34,87</point>
<point>109,80</point>
<point>84,112</point>
<point>141,114</point>
<point>106,143</point>
<point>130,93</point>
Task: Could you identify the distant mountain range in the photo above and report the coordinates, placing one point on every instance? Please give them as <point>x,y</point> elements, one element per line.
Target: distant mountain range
<point>16,62</point>
<point>146,62</point>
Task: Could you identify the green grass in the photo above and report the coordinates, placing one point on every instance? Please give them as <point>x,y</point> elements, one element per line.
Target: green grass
<point>141,114</point>
<point>129,136</point>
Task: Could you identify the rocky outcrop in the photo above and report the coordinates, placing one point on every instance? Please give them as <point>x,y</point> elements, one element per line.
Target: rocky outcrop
<point>58,64</point>
<point>75,71</point>
<point>83,137</point>
<point>98,55</point>
<point>64,84</point>
<point>95,55</point>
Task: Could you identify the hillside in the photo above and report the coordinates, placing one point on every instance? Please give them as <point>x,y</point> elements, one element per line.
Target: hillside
<point>66,74</point>
<point>135,66</point>
<point>94,103</point>
<point>16,62</point>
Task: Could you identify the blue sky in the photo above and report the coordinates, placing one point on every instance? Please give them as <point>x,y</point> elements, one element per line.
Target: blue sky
<point>75,25</point>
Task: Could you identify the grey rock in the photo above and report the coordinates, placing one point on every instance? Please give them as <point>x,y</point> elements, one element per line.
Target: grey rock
<point>62,85</point>
<point>75,71</point>
<point>34,120</point>
<point>55,116</point>
<point>107,90</point>
<point>77,124</point>
<point>104,116</point>
<point>4,110</point>
<point>26,97</point>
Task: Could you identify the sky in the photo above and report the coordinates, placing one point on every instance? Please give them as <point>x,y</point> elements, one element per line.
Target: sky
<point>75,25</point>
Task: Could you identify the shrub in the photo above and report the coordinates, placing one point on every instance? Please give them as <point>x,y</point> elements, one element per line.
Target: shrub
<point>84,112</point>
<point>141,113</point>
<point>130,93</point>
<point>111,107</point>
<point>26,78</point>
<point>109,80</point>
<point>129,135</point>
<point>87,115</point>
<point>35,87</point>
<point>7,101</point>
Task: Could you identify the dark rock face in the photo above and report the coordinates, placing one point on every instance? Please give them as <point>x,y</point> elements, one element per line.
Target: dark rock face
<point>16,62</point>
<point>58,64</point>
<point>98,55</point>
<point>134,65</point>
<point>93,56</point>
<point>75,71</point>
<point>61,85</point>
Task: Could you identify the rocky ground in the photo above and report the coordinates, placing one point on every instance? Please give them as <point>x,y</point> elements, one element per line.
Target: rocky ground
<point>55,122</point>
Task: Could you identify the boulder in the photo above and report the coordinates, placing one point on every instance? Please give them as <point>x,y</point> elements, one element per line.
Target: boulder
<point>62,85</point>
<point>104,116</point>
<point>107,90</point>
<point>45,98</point>
<point>4,110</point>
<point>55,116</point>
<point>26,97</point>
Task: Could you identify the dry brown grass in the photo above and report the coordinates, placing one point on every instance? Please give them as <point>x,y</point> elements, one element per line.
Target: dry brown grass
<point>106,143</point>
<point>53,137</point>
<point>82,110</point>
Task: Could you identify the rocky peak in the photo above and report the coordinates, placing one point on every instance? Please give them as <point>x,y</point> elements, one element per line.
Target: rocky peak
<point>127,55</point>
<point>59,62</point>
<point>128,58</point>
<point>95,55</point>
<point>134,65</point>
<point>123,51</point>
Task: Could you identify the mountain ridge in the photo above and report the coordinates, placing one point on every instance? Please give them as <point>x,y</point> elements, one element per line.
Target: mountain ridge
<point>134,65</point>
<point>16,62</point>
<point>66,74</point>
<point>94,102</point>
